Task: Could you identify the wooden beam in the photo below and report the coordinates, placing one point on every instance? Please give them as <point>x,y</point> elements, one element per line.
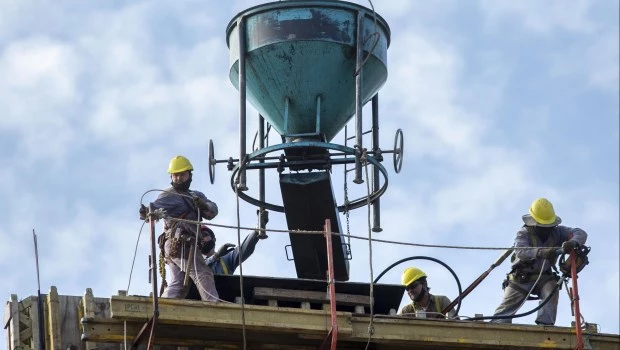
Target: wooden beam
<point>11,321</point>
<point>225,315</point>
<point>53,325</point>
<point>263,293</point>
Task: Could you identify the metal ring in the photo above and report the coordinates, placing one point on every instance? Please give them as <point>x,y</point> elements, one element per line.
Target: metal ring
<point>357,203</point>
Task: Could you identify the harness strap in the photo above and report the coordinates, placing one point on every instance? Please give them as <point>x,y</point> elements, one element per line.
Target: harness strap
<point>437,303</point>
<point>224,267</point>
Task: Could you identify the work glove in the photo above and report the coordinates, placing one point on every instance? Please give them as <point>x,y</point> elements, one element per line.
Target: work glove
<point>224,249</point>
<point>550,254</point>
<point>569,245</point>
<point>201,204</point>
<point>143,211</point>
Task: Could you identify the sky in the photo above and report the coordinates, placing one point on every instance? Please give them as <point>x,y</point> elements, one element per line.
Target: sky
<point>500,102</point>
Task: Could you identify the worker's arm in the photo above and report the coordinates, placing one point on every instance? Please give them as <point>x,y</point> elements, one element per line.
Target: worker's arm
<point>249,243</point>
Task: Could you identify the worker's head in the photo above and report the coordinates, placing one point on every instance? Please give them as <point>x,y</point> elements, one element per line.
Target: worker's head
<point>542,217</point>
<point>207,246</point>
<point>180,170</point>
<point>415,283</point>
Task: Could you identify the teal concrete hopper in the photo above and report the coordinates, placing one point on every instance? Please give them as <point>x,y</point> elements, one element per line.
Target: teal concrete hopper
<point>300,62</point>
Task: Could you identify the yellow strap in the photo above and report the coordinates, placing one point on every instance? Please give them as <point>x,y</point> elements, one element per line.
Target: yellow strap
<point>224,267</point>
<point>437,303</point>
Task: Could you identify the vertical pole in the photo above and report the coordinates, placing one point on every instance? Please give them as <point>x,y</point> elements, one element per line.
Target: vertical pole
<point>153,276</point>
<point>261,173</point>
<point>376,205</point>
<point>358,99</point>
<point>331,282</point>
<point>242,185</point>
<point>573,272</point>
<point>41,315</point>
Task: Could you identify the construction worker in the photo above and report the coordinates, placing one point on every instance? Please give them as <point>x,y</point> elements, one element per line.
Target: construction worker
<point>178,239</point>
<point>544,234</point>
<point>226,260</point>
<point>425,304</point>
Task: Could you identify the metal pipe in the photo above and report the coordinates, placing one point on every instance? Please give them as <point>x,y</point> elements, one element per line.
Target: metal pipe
<point>475,283</point>
<point>358,100</point>
<point>261,172</point>
<point>242,185</point>
<point>376,205</point>
<point>41,324</point>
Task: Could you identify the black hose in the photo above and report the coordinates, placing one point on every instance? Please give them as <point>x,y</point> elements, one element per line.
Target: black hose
<point>458,282</point>
<point>557,286</point>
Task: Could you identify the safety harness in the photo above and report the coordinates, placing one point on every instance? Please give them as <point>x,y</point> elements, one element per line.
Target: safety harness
<point>517,276</point>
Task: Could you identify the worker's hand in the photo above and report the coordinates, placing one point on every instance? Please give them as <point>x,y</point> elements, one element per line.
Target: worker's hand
<point>224,249</point>
<point>569,245</point>
<point>201,204</point>
<point>143,211</point>
<point>550,254</point>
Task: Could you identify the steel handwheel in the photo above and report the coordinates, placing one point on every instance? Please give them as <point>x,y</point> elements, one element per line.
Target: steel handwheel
<point>211,162</point>
<point>398,150</point>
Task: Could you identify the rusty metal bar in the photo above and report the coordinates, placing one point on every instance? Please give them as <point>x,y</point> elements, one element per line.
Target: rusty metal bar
<point>332,285</point>
<point>575,297</point>
<point>150,325</point>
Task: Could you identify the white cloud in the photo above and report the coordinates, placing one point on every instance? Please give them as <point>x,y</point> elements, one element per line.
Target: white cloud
<point>540,17</point>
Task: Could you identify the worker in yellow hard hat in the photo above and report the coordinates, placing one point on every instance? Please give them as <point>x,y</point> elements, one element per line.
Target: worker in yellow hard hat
<point>424,304</point>
<point>178,241</point>
<point>542,233</point>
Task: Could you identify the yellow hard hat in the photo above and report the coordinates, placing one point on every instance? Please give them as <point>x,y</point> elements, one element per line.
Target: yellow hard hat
<point>541,214</point>
<point>179,164</point>
<point>410,275</point>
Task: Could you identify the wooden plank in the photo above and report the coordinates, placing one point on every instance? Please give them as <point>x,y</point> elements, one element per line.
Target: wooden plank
<point>12,313</point>
<point>53,326</point>
<point>227,315</point>
<point>69,327</point>
<point>310,296</point>
<point>34,322</point>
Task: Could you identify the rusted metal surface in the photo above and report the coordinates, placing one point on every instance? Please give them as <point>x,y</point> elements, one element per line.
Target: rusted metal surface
<point>306,51</point>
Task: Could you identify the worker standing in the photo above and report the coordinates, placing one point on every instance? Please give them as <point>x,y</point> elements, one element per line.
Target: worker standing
<point>542,233</point>
<point>424,304</point>
<point>178,238</point>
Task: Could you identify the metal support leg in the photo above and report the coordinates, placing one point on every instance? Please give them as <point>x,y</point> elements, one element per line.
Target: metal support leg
<point>242,184</point>
<point>376,204</point>
<point>261,175</point>
<point>358,100</point>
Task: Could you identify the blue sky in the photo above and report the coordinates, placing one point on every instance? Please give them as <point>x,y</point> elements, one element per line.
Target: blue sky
<point>500,102</point>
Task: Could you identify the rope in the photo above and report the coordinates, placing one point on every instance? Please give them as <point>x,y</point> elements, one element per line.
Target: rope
<point>135,252</point>
<point>240,257</point>
<point>366,238</point>
<point>371,328</point>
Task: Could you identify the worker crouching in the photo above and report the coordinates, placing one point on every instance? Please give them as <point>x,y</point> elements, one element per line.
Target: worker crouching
<point>424,304</point>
